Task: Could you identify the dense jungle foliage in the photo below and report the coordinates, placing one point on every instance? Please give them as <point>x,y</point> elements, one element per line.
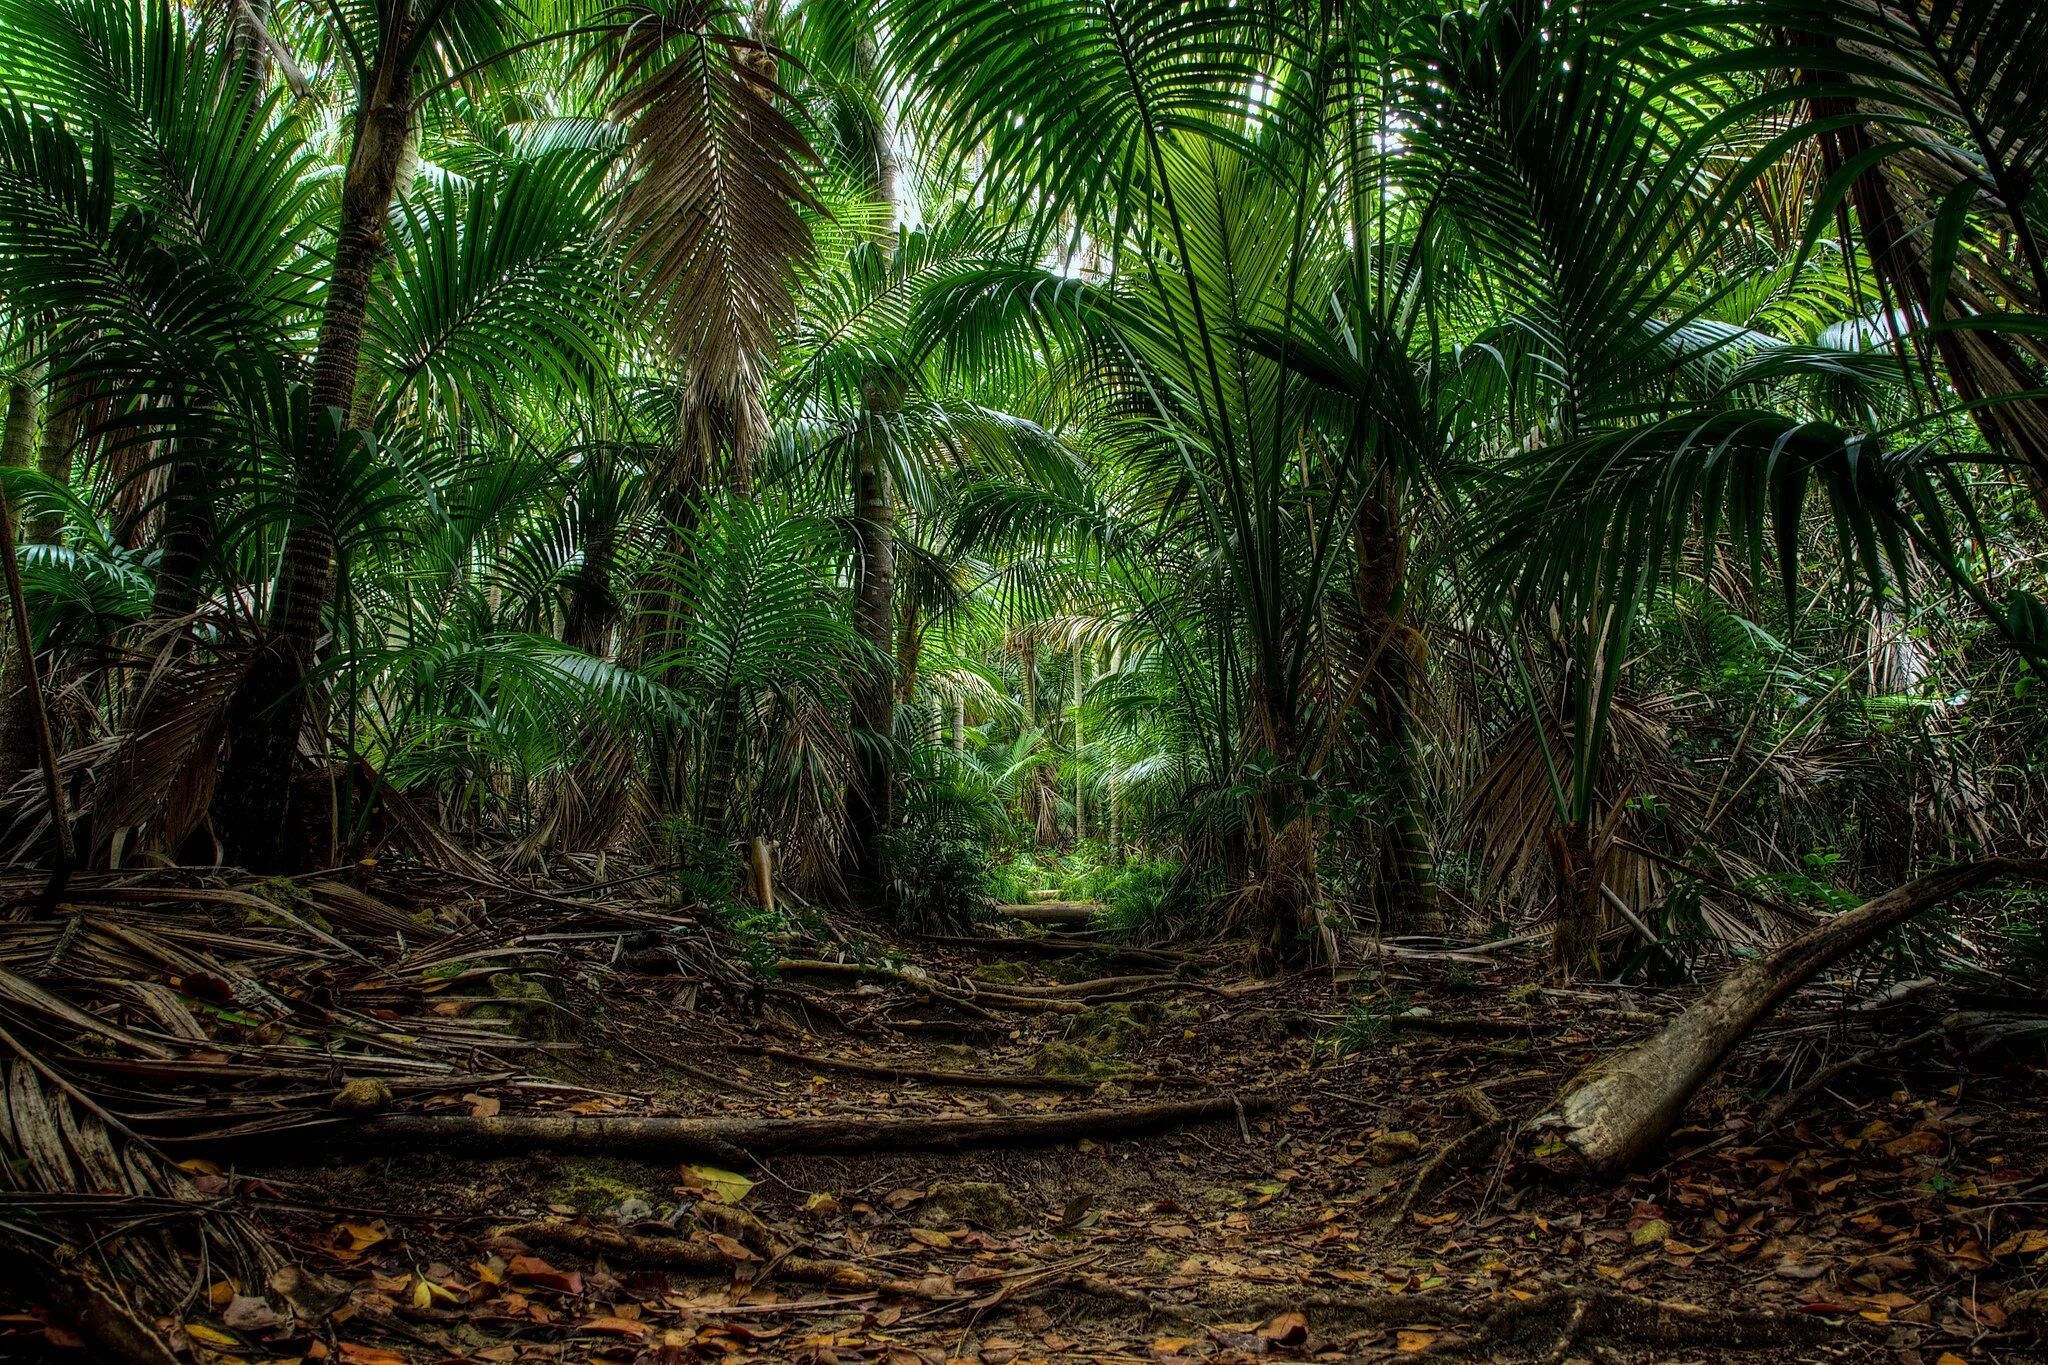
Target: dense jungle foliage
<point>1266,465</point>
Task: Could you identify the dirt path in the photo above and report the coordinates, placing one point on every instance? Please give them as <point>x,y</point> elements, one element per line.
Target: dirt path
<point>1332,1202</point>
<point>1287,1232</point>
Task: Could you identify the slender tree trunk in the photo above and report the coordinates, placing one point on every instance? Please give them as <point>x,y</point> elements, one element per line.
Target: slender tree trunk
<point>186,538</point>
<point>1080,797</point>
<point>17,729</point>
<point>959,726</point>
<point>63,426</point>
<point>1408,870</point>
<point>909,639</point>
<point>1038,803</point>
<point>870,795</point>
<point>269,709</point>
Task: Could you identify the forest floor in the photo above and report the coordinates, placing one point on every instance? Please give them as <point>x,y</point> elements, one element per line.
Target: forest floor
<point>1326,1209</point>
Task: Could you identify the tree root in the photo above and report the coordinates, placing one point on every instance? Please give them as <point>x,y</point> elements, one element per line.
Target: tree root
<point>1489,1127</point>
<point>684,1253</point>
<point>1565,1315</point>
<point>669,1137</point>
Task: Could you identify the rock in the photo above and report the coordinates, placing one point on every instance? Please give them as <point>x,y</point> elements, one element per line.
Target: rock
<point>1391,1148</point>
<point>2029,1307</point>
<point>1067,1059</point>
<point>1002,973</point>
<point>312,1296</point>
<point>364,1095</point>
<point>631,1210</point>
<point>957,1057</point>
<point>1114,1027</point>
<point>247,1313</point>
<point>975,1203</point>
<point>1654,1233</point>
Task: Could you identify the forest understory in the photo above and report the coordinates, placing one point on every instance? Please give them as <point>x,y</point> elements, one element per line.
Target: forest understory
<point>395,1125</point>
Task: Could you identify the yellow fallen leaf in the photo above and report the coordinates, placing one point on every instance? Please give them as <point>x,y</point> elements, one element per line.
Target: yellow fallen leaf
<point>1408,1340</point>
<point>199,1331</point>
<point>729,1186</point>
<point>1950,1358</point>
<point>1170,1345</point>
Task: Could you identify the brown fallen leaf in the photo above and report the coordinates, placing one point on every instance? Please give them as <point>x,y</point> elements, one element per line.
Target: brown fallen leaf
<point>535,1271</point>
<point>1410,1340</point>
<point>1288,1329</point>
<point>615,1326</point>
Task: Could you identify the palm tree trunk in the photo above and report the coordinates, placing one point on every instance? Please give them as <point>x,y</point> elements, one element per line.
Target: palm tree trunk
<point>869,796</point>
<point>593,608</point>
<point>1283,860</point>
<point>1575,942</point>
<point>17,728</point>
<point>269,709</point>
<point>1080,796</point>
<point>1408,870</point>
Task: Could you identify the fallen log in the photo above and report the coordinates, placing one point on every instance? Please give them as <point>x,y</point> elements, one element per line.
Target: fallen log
<point>883,1071</point>
<point>668,1137</point>
<point>1622,1107</point>
<point>1061,946</point>
<point>109,1329</point>
<point>1053,912</point>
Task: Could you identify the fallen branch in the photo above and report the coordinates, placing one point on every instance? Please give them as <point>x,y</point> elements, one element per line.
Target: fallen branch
<point>71,1293</point>
<point>669,1137</point>
<point>1051,945</point>
<point>964,1079</point>
<point>1625,1105</point>
<point>1053,912</point>
<point>1820,1079</point>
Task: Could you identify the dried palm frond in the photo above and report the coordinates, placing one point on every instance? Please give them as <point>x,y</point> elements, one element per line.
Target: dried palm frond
<point>715,214</point>
<point>1511,811</point>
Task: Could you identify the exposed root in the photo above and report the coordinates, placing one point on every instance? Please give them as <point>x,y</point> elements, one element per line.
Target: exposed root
<point>701,1257</point>
<point>1489,1127</point>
